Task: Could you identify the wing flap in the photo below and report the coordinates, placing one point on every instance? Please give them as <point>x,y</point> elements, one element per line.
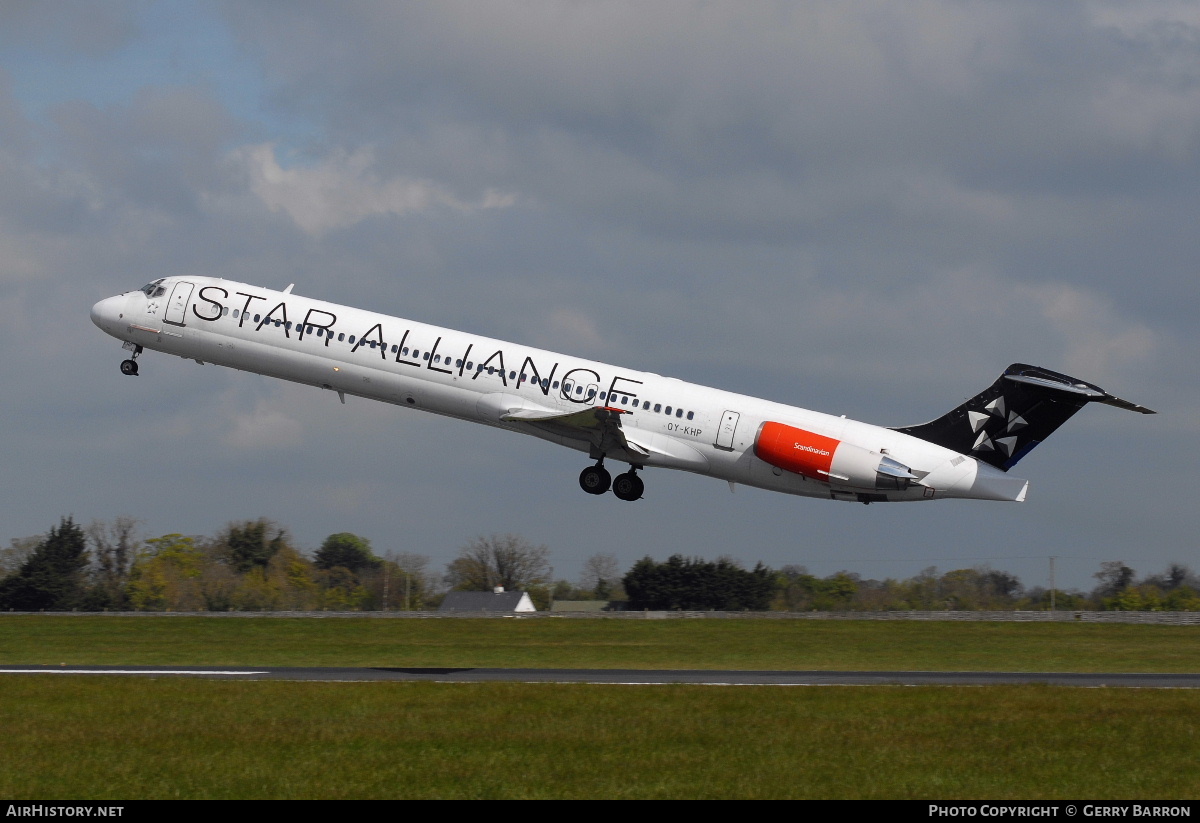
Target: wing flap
<point>599,426</point>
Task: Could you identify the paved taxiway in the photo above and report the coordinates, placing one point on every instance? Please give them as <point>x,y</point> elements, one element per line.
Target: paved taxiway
<point>631,676</point>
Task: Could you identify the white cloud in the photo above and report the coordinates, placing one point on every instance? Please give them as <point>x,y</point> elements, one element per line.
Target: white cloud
<point>264,428</point>
<point>345,188</point>
<point>565,325</point>
<point>1096,340</point>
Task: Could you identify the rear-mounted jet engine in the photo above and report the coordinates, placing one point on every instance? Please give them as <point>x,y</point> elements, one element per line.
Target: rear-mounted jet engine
<point>829,460</point>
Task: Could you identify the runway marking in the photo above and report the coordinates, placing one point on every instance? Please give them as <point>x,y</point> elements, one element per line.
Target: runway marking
<point>649,677</point>
<point>122,671</point>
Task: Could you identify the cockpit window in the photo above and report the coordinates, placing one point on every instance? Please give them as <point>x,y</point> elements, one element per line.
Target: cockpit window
<point>154,289</point>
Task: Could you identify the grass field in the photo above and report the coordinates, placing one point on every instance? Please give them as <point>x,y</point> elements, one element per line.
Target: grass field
<point>654,644</point>
<point>125,738</point>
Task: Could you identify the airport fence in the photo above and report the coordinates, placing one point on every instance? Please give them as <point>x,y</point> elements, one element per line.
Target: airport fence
<point>1165,618</point>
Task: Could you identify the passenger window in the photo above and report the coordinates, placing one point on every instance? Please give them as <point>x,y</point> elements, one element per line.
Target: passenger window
<point>646,405</point>
<point>668,409</point>
<point>555,384</point>
<point>224,311</point>
<point>416,353</point>
<point>470,365</point>
<point>658,407</point>
<point>591,393</point>
<point>579,389</point>
<point>546,383</point>
<point>393,348</point>
<point>235,313</point>
<point>341,336</point>
<point>601,395</point>
<point>512,375</point>
<point>691,415</point>
<point>679,412</point>
<point>458,363</point>
<point>425,356</point>
<point>257,318</point>
<point>352,342</point>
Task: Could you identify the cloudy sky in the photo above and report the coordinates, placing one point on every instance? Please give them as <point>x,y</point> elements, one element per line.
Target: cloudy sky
<point>866,208</point>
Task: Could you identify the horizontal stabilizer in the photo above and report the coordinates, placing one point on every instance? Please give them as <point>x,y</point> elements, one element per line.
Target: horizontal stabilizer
<point>1003,423</point>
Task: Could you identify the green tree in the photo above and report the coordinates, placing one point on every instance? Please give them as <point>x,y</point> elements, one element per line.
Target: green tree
<point>250,544</point>
<point>1182,599</point>
<point>342,591</point>
<point>168,575</point>
<point>797,590</point>
<point>346,550</point>
<point>683,583</point>
<point>52,577</point>
<point>981,588</point>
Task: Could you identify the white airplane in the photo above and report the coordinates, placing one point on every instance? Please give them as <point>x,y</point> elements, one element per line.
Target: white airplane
<point>613,413</point>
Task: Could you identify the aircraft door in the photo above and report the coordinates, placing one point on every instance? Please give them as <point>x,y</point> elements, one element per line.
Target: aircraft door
<point>726,430</point>
<point>176,313</point>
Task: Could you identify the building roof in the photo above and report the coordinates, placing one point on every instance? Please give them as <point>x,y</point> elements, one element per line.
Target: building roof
<point>487,602</point>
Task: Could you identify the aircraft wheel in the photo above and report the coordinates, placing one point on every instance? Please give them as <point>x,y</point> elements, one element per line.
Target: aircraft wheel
<point>628,486</point>
<point>129,367</point>
<point>595,480</point>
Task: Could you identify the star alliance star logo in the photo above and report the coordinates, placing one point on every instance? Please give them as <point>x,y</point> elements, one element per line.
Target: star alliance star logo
<point>995,418</point>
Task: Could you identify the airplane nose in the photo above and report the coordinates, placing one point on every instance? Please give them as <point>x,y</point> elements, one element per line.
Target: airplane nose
<point>106,312</point>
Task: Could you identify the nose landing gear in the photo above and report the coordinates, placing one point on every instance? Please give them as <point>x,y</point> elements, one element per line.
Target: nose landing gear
<point>130,367</point>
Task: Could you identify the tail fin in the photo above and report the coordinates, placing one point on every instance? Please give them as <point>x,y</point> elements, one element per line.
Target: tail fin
<point>1003,423</point>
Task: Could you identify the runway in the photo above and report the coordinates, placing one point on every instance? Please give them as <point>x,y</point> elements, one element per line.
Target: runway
<point>630,676</point>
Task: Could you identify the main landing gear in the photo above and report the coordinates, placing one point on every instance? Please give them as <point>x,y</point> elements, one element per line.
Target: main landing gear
<point>596,480</point>
<point>628,486</point>
<point>130,366</point>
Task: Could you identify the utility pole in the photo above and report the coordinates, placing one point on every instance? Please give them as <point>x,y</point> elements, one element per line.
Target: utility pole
<point>1052,582</point>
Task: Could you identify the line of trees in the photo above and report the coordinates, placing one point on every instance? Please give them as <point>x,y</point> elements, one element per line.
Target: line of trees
<point>254,565</point>
<point>248,566</point>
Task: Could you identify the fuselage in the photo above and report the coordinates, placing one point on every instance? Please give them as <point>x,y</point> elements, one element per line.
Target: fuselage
<point>663,421</point>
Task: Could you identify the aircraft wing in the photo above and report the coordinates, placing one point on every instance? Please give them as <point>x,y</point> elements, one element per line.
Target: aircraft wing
<point>600,426</point>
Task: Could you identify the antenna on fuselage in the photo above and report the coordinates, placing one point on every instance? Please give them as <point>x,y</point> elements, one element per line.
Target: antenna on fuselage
<point>288,290</point>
